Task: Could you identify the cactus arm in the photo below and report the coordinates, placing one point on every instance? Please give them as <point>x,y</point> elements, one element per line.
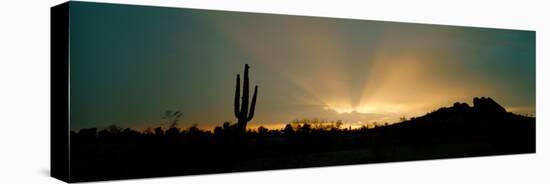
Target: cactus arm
<point>237,94</point>
<point>253,104</point>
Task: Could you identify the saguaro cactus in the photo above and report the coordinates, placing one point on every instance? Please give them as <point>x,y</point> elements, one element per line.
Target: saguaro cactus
<point>243,114</point>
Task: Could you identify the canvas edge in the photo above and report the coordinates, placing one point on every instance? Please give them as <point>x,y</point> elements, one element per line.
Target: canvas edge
<point>59,120</point>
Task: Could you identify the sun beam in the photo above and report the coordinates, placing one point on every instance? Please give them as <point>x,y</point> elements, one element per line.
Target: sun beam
<point>391,78</point>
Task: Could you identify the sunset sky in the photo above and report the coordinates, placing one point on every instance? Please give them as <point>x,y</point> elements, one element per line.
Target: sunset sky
<point>129,64</point>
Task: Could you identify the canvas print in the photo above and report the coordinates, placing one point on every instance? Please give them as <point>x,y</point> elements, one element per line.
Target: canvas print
<point>141,91</point>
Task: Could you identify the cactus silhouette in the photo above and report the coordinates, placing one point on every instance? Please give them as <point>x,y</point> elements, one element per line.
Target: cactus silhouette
<point>243,114</point>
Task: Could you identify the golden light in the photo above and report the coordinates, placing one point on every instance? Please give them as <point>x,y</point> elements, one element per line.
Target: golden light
<point>395,82</point>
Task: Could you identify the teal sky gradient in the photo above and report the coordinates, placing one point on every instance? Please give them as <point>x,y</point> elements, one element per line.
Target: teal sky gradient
<point>129,64</point>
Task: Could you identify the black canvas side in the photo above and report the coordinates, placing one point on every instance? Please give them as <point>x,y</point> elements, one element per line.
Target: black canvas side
<point>59,35</point>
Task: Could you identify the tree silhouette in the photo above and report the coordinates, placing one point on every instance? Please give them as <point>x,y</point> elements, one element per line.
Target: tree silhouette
<point>172,117</point>
<point>288,129</point>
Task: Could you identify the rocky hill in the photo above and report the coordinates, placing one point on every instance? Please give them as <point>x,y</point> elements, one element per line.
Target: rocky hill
<point>486,123</point>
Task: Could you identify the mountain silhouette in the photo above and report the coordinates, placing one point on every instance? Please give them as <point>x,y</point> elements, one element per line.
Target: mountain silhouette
<point>485,113</point>
<point>486,124</point>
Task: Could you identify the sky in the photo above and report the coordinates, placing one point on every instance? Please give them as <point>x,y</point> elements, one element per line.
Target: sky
<point>130,64</point>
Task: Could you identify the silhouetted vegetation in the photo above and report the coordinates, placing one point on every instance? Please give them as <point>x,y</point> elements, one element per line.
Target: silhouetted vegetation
<point>458,131</point>
<point>243,114</point>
